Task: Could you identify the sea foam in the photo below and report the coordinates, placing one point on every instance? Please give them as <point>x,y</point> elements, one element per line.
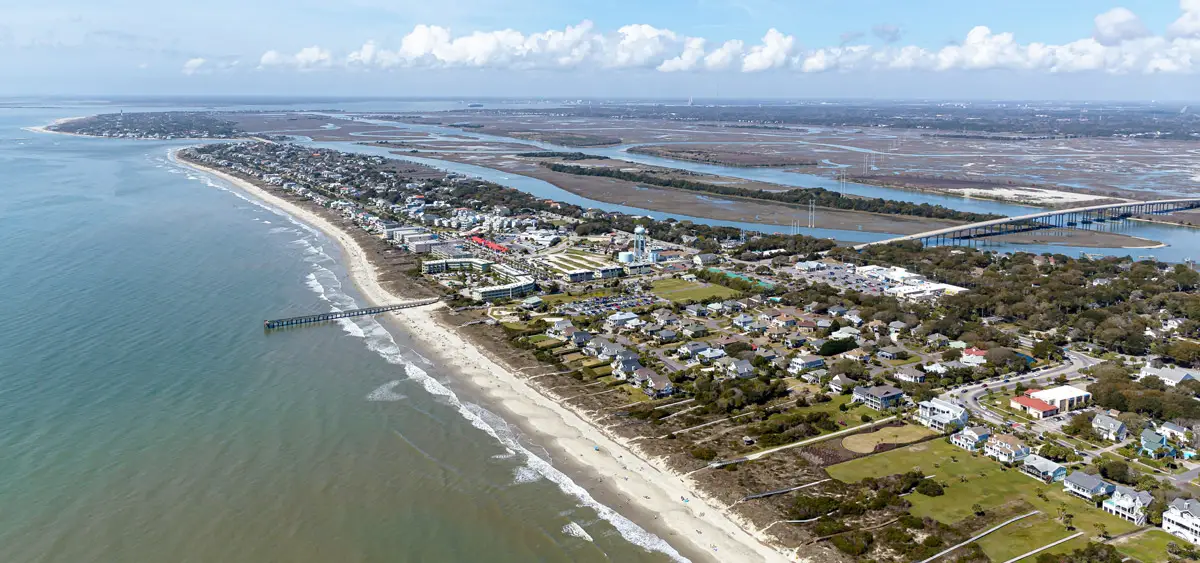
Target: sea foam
<point>380,341</point>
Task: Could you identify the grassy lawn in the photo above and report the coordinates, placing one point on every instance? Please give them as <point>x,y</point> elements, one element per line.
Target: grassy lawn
<point>549,343</point>
<point>602,371</point>
<point>538,338</point>
<point>987,484</point>
<point>913,359</point>
<point>637,395</point>
<point>1065,547</point>
<point>594,362</point>
<point>1022,537</point>
<point>679,290</point>
<point>574,356</point>
<point>1148,546</point>
<point>865,443</point>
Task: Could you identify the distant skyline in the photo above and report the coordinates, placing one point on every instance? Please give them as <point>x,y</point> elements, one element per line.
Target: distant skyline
<point>1020,49</point>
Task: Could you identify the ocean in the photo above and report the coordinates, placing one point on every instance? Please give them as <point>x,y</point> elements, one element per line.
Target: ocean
<point>145,415</point>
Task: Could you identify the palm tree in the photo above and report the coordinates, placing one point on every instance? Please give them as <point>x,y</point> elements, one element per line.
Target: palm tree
<point>1101,529</point>
<point>978,510</point>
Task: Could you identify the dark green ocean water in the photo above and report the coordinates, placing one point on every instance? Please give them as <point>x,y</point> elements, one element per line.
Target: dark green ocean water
<point>146,417</point>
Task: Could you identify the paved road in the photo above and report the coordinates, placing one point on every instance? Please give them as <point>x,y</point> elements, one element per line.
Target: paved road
<point>969,395</point>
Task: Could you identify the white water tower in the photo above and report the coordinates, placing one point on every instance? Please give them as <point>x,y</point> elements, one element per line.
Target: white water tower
<point>639,244</point>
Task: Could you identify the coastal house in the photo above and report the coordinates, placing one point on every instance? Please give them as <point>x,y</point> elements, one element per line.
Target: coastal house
<point>891,352</point>
<point>910,375</point>
<point>696,311</point>
<point>941,416</point>
<point>557,328</point>
<point>878,397</point>
<point>624,368</point>
<point>1109,428</point>
<point>801,363</point>
<point>621,321</point>
<point>936,341</point>
<point>973,357</point>
<point>1043,469</point>
<point>1170,375</point>
<point>705,259</point>
<point>815,376</point>
<point>715,308</point>
<point>742,369</point>
<point>691,349</point>
<point>743,321</point>
<point>794,340</point>
<point>1154,445</point>
<point>1173,431</point>
<point>656,385</point>
<point>665,317</point>
<point>575,336</point>
<point>1128,504</point>
<point>1005,448</point>
<point>971,438</point>
<point>841,383</point>
<point>603,349</point>
<point>710,355</point>
<point>666,336</point>
<point>1087,486</point>
<point>1182,519</point>
<point>695,331</point>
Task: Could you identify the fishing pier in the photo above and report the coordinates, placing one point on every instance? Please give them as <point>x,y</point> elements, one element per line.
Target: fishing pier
<point>322,317</point>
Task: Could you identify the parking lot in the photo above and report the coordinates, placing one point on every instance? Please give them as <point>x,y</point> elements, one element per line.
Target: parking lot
<point>843,277</point>
<point>602,305</point>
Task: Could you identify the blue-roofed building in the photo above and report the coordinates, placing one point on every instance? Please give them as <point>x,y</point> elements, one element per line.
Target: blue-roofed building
<point>1154,445</point>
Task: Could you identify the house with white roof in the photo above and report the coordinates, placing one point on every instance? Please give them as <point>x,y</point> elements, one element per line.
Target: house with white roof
<point>1182,519</point>
<point>1128,504</point>
<point>1170,375</point>
<point>1064,398</point>
<point>941,415</point>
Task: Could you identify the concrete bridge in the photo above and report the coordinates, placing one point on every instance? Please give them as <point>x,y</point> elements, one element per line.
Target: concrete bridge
<point>1061,218</point>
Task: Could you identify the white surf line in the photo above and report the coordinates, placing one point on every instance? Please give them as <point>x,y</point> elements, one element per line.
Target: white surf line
<point>985,532</point>
<point>1044,547</point>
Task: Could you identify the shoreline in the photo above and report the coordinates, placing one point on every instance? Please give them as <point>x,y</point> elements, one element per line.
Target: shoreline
<point>648,485</point>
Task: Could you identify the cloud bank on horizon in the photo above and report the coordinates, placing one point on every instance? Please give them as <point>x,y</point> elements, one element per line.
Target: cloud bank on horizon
<point>1120,43</point>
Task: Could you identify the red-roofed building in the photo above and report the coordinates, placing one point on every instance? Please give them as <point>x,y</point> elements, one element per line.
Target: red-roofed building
<point>1033,407</point>
<point>974,352</point>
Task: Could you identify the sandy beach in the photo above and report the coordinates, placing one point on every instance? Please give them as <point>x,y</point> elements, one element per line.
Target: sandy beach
<point>46,128</point>
<point>695,527</point>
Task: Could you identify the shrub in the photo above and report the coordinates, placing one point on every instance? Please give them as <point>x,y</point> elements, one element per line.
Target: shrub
<point>912,522</point>
<point>932,541</point>
<point>704,453</point>
<point>865,417</point>
<point>828,527</point>
<point>930,488</point>
<point>853,543</point>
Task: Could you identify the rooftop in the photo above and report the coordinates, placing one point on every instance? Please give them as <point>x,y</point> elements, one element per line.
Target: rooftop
<point>1035,404</point>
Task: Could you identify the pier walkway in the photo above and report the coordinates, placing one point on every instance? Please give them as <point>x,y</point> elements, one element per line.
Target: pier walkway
<point>322,317</point>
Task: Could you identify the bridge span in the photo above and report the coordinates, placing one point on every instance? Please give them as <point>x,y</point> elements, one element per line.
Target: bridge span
<point>1045,220</point>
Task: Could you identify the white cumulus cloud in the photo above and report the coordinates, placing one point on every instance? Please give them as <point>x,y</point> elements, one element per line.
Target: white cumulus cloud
<point>1118,25</point>
<point>1120,43</point>
<point>774,52</point>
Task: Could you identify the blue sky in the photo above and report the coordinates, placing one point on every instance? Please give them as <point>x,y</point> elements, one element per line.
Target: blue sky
<point>1134,49</point>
